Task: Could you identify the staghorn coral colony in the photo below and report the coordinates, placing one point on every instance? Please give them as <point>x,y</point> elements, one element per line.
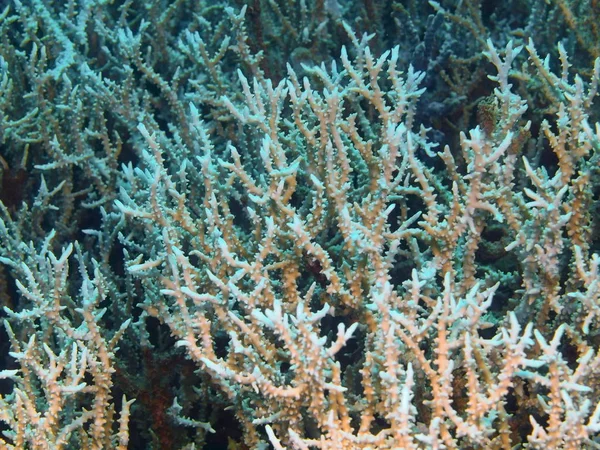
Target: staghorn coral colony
<point>299,224</point>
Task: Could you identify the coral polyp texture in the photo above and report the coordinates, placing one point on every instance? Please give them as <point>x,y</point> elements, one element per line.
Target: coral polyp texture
<point>299,225</point>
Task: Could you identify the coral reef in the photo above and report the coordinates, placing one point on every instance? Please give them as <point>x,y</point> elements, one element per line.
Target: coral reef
<point>299,224</point>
